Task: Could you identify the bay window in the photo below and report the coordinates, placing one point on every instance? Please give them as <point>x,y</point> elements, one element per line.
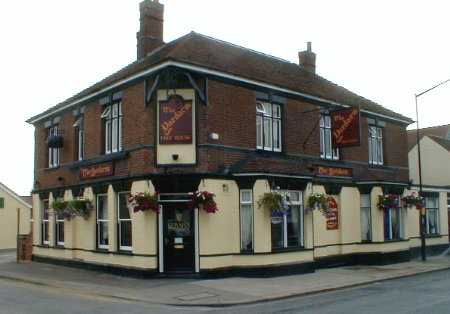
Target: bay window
<point>366,221</point>
<point>45,222</point>
<point>287,227</point>
<point>327,151</point>
<point>102,222</point>
<point>432,215</point>
<point>53,152</point>
<point>124,222</point>
<point>112,119</point>
<point>246,213</point>
<point>375,145</point>
<point>268,126</point>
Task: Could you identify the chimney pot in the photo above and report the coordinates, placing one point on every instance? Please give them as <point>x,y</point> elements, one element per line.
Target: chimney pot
<point>307,59</point>
<point>150,35</point>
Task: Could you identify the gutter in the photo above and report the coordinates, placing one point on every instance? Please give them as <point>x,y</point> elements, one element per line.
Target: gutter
<point>204,70</point>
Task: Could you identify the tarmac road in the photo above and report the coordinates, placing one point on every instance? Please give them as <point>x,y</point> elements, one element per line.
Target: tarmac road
<point>426,293</point>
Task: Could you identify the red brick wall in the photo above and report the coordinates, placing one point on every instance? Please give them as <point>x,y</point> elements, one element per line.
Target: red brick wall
<point>231,113</point>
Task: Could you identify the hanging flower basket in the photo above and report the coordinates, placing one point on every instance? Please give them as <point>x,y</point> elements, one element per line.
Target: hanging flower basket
<point>205,200</point>
<point>274,202</point>
<point>70,209</point>
<point>388,201</point>
<point>319,201</point>
<point>413,200</point>
<point>80,207</point>
<point>144,202</point>
<point>62,209</point>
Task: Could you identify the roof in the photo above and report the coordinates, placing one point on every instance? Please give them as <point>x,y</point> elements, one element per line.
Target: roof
<point>441,141</point>
<point>207,52</point>
<point>440,131</point>
<point>15,196</point>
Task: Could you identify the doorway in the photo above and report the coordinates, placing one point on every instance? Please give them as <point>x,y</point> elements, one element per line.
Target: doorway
<point>178,237</point>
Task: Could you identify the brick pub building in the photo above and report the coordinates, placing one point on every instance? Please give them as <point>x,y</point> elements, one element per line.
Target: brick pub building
<point>201,114</point>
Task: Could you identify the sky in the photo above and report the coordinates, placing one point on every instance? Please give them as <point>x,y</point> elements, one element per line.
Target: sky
<point>385,51</point>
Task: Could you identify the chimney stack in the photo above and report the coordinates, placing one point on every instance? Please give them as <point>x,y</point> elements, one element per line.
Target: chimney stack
<point>307,59</point>
<point>150,35</point>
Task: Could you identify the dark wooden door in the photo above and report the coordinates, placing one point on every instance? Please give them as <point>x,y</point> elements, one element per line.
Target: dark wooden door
<point>179,239</point>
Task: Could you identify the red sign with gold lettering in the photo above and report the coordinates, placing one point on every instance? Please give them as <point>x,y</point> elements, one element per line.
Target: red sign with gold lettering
<point>332,214</point>
<point>97,171</point>
<point>346,127</point>
<point>333,171</point>
<point>175,121</point>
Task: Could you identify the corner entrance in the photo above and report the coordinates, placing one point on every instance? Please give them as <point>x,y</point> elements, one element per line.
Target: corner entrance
<point>178,237</point>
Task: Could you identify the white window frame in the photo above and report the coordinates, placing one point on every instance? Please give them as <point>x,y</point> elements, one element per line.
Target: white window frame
<point>54,154</point>
<point>427,217</point>
<point>102,221</point>
<point>58,222</point>
<point>119,222</point>
<point>299,203</point>
<point>400,218</point>
<point>45,222</point>
<point>79,127</point>
<point>370,217</point>
<point>326,138</point>
<point>272,114</point>
<point>113,120</point>
<point>249,203</point>
<point>376,145</point>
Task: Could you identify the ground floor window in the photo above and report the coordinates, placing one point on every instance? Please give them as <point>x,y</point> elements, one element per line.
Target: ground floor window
<point>246,212</point>
<point>102,222</point>
<point>287,227</point>
<point>59,224</point>
<point>124,222</point>
<point>432,215</point>
<point>393,221</point>
<point>366,221</point>
<point>45,222</point>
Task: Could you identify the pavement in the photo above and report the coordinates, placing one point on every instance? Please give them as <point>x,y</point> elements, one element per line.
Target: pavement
<point>211,292</point>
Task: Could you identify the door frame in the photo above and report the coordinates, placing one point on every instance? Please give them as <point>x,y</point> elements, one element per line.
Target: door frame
<point>177,198</point>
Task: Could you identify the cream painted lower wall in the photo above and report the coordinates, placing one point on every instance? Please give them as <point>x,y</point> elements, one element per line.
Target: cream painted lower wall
<point>219,233</point>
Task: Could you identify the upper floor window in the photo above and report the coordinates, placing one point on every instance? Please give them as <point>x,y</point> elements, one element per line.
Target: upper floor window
<point>327,150</point>
<point>112,117</point>
<point>53,152</point>
<point>268,126</point>
<point>375,145</point>
<point>2,202</point>
<point>79,138</point>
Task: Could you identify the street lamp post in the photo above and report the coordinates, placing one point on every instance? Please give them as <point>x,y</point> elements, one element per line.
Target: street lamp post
<point>423,210</point>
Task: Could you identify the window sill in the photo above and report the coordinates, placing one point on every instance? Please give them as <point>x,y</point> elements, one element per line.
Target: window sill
<point>289,249</point>
<point>124,252</point>
<point>433,235</point>
<point>268,152</point>
<point>395,240</point>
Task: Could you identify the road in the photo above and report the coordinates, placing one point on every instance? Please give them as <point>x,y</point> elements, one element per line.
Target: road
<point>429,293</point>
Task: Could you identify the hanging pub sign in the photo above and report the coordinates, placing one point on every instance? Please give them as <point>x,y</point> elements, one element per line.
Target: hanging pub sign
<point>345,125</point>
<point>175,121</point>
<point>97,171</point>
<point>332,214</point>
